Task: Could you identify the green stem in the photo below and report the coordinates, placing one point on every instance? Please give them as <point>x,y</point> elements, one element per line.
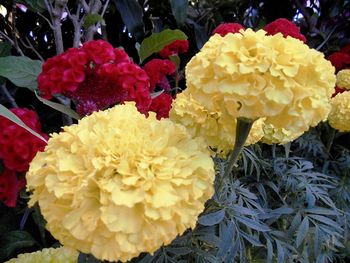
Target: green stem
<point>242,131</point>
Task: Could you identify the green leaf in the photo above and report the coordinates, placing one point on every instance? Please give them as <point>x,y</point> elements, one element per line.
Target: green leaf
<point>59,107</point>
<point>21,71</point>
<point>13,117</point>
<point>13,241</point>
<point>179,10</point>
<point>250,223</point>
<point>212,218</point>
<point>157,41</point>
<point>5,49</point>
<point>302,231</point>
<point>35,5</point>
<point>176,60</point>
<point>91,19</point>
<point>132,15</point>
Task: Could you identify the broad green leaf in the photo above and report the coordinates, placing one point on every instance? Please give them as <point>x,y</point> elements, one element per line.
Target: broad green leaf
<point>5,49</point>
<point>212,218</point>
<point>13,117</point>
<point>13,241</point>
<point>59,107</point>
<point>157,41</point>
<point>91,19</point>
<point>302,231</point>
<point>21,71</point>
<point>179,10</point>
<point>132,15</point>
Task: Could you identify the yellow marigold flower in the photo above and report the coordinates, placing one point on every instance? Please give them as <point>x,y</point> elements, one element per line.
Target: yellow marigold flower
<point>274,135</point>
<point>339,117</point>
<point>215,125</point>
<point>48,255</point>
<point>118,183</point>
<point>343,79</point>
<point>252,75</point>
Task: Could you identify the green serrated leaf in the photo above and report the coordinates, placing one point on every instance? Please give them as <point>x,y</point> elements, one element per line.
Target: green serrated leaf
<point>179,10</point>
<point>157,41</point>
<point>13,117</point>
<point>212,218</point>
<point>13,241</point>
<point>21,71</point>
<point>302,231</point>
<point>59,107</point>
<point>91,19</point>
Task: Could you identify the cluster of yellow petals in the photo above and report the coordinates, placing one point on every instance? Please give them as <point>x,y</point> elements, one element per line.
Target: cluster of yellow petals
<point>214,123</point>
<point>273,135</point>
<point>343,79</point>
<point>48,255</point>
<point>252,75</point>
<point>118,183</point>
<point>339,117</point>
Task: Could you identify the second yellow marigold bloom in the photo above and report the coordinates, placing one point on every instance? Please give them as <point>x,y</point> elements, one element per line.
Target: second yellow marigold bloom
<point>343,79</point>
<point>339,117</point>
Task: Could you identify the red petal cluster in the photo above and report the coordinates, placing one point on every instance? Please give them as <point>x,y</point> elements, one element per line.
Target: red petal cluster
<point>174,48</point>
<point>226,28</point>
<point>339,60</point>
<point>157,70</point>
<point>337,91</point>
<point>18,146</point>
<point>286,27</point>
<point>161,105</point>
<point>10,186</point>
<point>95,77</point>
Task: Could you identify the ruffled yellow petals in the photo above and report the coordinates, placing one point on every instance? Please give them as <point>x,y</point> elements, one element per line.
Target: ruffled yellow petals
<point>48,255</point>
<point>343,79</point>
<point>274,135</point>
<point>118,184</point>
<point>280,79</point>
<point>339,117</point>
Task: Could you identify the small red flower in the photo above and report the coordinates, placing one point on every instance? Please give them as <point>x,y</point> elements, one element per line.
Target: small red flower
<point>226,28</point>
<point>339,60</point>
<point>99,51</point>
<point>346,49</point>
<point>18,146</point>
<point>161,105</point>
<point>10,186</point>
<point>174,48</point>
<point>157,70</point>
<point>285,27</point>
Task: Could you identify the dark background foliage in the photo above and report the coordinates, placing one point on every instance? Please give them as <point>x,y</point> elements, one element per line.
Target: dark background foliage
<point>284,204</point>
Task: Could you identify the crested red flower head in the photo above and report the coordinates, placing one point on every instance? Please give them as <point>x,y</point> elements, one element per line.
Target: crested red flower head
<point>157,70</point>
<point>10,186</point>
<point>226,28</point>
<point>174,48</point>
<point>161,105</point>
<point>18,146</point>
<point>339,60</point>
<point>285,27</point>
<point>95,76</point>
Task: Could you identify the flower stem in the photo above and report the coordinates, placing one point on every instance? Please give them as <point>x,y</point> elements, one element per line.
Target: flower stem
<point>242,131</point>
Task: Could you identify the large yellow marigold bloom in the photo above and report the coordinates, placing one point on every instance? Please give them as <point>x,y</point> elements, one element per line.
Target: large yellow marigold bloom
<point>343,79</point>
<point>274,135</point>
<point>252,75</point>
<point>118,184</point>
<point>48,255</point>
<point>215,125</point>
<point>339,117</point>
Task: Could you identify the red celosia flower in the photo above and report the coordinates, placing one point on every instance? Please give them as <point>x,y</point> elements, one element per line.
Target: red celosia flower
<point>103,77</point>
<point>338,90</point>
<point>112,84</point>
<point>286,27</point>
<point>226,28</point>
<point>161,105</point>
<point>346,49</point>
<point>339,60</point>
<point>10,186</point>
<point>18,146</point>
<point>174,48</point>
<point>157,70</point>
